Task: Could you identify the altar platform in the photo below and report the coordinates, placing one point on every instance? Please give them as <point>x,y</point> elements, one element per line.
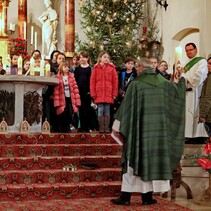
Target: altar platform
<point>21,99</point>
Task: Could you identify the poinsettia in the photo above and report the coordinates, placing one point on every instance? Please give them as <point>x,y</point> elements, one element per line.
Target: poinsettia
<point>207,148</point>
<point>204,163</point>
<point>19,47</point>
<point>205,160</point>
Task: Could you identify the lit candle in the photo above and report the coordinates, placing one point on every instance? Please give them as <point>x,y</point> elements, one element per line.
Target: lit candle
<point>35,40</point>
<point>24,30</point>
<point>32,35</point>
<point>32,62</point>
<point>178,56</point>
<point>20,62</point>
<point>11,26</point>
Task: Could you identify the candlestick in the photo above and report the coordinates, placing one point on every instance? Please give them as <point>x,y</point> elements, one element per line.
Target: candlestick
<point>32,62</point>
<point>35,40</point>
<point>24,30</point>
<point>178,56</point>
<point>32,35</point>
<point>20,62</point>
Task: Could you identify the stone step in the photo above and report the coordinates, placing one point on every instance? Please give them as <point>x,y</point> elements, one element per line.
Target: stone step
<point>59,190</point>
<point>59,176</point>
<point>27,150</point>
<point>35,163</point>
<point>196,172</point>
<point>192,174</point>
<point>193,149</point>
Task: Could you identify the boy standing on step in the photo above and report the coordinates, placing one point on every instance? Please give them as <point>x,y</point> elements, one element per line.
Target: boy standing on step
<point>151,120</point>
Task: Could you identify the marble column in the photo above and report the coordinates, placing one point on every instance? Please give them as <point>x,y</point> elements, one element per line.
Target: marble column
<point>22,19</point>
<point>69,28</point>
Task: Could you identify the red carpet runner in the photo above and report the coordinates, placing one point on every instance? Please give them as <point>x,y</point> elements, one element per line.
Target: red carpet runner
<point>33,173</point>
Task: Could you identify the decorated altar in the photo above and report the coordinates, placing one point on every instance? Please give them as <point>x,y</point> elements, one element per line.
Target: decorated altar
<point>21,99</point>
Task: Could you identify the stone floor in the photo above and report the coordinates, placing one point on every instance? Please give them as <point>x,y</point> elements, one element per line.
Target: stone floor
<point>189,204</point>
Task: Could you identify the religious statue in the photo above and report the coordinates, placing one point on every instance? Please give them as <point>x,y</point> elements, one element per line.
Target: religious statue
<point>49,19</point>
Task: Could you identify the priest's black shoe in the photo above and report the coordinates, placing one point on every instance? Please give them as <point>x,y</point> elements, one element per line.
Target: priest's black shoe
<point>153,201</point>
<point>119,201</point>
<point>147,198</point>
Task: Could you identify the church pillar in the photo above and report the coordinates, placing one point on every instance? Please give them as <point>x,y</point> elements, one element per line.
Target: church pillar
<point>3,18</point>
<point>22,19</point>
<point>69,28</point>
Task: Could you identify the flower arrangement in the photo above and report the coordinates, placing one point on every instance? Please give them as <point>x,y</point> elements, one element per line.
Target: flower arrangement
<point>205,160</point>
<point>202,159</point>
<point>19,46</point>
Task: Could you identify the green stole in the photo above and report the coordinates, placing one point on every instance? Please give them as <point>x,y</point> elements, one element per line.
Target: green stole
<point>192,62</point>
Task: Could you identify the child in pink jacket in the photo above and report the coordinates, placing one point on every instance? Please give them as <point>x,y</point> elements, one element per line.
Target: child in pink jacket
<point>66,97</point>
<point>104,89</point>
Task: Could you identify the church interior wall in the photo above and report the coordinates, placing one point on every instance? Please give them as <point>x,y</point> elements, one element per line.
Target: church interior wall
<point>180,15</point>
<point>34,10</point>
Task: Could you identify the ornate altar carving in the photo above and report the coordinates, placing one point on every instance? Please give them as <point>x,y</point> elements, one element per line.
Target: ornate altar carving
<point>27,99</point>
<point>7,106</point>
<point>32,107</point>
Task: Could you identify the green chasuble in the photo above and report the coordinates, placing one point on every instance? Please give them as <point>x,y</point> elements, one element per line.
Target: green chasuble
<point>152,120</point>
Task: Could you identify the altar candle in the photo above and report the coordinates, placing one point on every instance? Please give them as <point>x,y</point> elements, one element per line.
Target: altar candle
<point>32,66</point>
<point>20,63</point>
<point>24,30</point>
<point>32,35</point>
<point>35,40</point>
<point>42,66</point>
<point>11,26</point>
<point>178,55</point>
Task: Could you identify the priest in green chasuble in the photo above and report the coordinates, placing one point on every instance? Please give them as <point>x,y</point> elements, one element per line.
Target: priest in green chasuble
<point>151,120</point>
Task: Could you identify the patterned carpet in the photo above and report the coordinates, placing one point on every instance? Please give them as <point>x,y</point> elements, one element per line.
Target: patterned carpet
<point>89,204</point>
<point>64,172</point>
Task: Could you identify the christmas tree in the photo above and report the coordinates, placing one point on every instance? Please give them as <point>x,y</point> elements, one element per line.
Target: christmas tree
<point>114,26</point>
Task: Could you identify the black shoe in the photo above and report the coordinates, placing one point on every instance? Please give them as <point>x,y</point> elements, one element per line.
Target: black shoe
<point>147,198</point>
<point>153,201</point>
<point>119,201</point>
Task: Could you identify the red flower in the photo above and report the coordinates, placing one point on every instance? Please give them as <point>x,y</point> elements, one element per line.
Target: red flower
<point>207,148</point>
<point>19,46</point>
<point>204,163</point>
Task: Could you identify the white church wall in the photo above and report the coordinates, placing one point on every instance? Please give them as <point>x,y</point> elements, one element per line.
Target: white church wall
<point>180,15</point>
<point>34,10</point>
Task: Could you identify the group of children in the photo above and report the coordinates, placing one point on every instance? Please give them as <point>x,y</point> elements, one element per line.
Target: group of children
<point>80,86</point>
<point>69,105</point>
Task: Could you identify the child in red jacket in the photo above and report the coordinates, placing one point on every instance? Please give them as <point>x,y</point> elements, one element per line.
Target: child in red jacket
<point>66,97</point>
<point>104,89</point>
